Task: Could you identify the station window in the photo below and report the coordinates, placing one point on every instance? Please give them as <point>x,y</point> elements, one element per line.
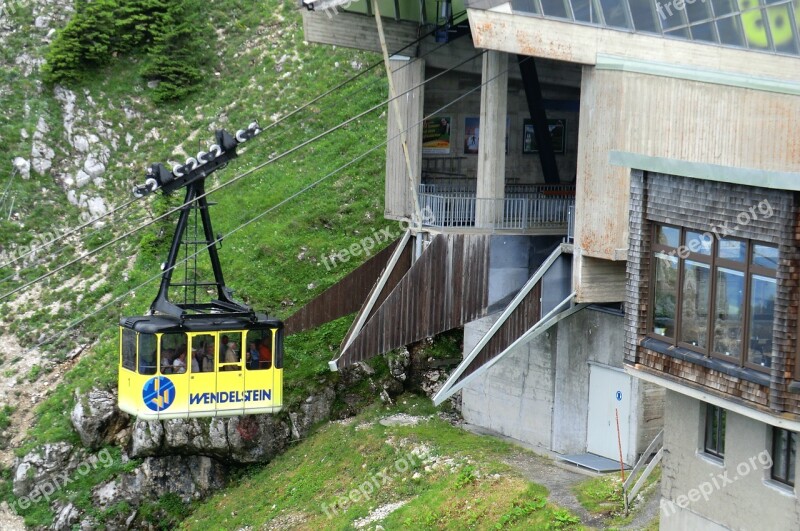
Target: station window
<point>784,449</point>
<point>713,295</point>
<point>173,354</point>
<point>715,431</point>
<point>128,350</point>
<point>259,349</point>
<point>147,354</point>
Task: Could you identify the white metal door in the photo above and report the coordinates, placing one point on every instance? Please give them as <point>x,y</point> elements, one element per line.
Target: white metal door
<point>609,393</point>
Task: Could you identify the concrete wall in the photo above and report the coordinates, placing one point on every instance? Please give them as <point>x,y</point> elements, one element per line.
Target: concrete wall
<point>539,393</point>
<point>515,396</point>
<point>747,500</point>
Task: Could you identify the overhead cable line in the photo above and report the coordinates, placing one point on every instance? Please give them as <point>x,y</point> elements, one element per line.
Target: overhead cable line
<point>235,179</point>
<point>270,209</point>
<point>266,128</point>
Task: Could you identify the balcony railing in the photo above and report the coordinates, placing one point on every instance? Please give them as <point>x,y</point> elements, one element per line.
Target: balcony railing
<point>547,208</point>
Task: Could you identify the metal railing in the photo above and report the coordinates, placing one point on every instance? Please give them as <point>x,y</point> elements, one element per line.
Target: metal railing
<point>571,224</point>
<point>460,185</point>
<point>631,489</point>
<point>522,211</point>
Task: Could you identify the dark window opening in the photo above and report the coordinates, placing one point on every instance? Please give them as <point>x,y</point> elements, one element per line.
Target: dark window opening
<point>784,448</point>
<point>147,354</point>
<point>715,431</point>
<point>128,349</point>
<point>259,349</point>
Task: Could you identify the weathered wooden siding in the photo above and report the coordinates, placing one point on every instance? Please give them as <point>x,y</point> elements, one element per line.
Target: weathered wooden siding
<point>399,202</point>
<point>651,413</point>
<point>671,118</point>
<point>520,321</point>
<point>600,280</point>
<point>347,295</point>
<point>445,288</point>
<point>358,31</point>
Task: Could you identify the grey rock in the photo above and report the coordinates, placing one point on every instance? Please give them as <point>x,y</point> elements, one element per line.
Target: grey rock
<point>398,365</point>
<point>96,206</point>
<point>66,516</point>
<point>96,418</point>
<point>256,438</point>
<point>23,167</point>
<point>248,439</point>
<point>43,465</point>
<point>41,156</point>
<point>81,143</point>
<point>94,167</point>
<point>41,128</point>
<point>147,437</point>
<point>190,477</point>
<point>82,179</point>
<point>315,409</point>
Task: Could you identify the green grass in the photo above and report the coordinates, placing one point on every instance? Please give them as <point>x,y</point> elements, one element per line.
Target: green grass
<point>261,262</point>
<point>603,496</point>
<point>315,485</point>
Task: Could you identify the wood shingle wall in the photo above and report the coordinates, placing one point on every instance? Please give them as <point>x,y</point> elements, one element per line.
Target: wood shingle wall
<point>700,205</point>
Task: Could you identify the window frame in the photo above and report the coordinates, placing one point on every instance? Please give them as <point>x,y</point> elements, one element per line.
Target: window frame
<point>720,415</point>
<point>786,459</point>
<point>272,340</point>
<point>683,253</point>
<point>122,346</point>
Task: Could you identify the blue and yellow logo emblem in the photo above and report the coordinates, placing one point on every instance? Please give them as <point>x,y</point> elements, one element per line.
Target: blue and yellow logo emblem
<point>158,393</point>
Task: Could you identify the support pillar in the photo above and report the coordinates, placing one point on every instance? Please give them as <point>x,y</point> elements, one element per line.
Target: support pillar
<point>492,142</point>
<point>406,73</point>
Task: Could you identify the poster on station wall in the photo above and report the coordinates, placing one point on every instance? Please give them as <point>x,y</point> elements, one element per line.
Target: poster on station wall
<point>472,134</point>
<point>558,132</point>
<point>436,135</point>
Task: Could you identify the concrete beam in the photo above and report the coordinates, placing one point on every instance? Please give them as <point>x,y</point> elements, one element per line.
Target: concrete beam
<point>580,43</point>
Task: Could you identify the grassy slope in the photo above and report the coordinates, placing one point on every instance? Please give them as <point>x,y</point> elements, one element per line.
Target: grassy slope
<point>263,262</point>
<point>273,264</point>
<point>465,486</point>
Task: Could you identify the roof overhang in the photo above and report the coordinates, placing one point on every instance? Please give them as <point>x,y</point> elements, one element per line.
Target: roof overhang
<point>498,29</point>
<point>710,172</point>
<point>725,403</point>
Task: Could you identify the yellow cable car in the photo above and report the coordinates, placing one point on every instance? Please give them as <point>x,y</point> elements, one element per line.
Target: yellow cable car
<point>198,359</point>
<point>230,367</point>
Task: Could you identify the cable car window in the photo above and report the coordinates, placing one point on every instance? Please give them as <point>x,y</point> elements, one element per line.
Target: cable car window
<point>204,347</point>
<point>147,354</point>
<point>259,349</point>
<point>173,354</point>
<point>230,352</point>
<point>128,349</point>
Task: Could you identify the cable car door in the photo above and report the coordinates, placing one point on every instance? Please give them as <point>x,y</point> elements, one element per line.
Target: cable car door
<point>202,374</point>
<point>230,376</point>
